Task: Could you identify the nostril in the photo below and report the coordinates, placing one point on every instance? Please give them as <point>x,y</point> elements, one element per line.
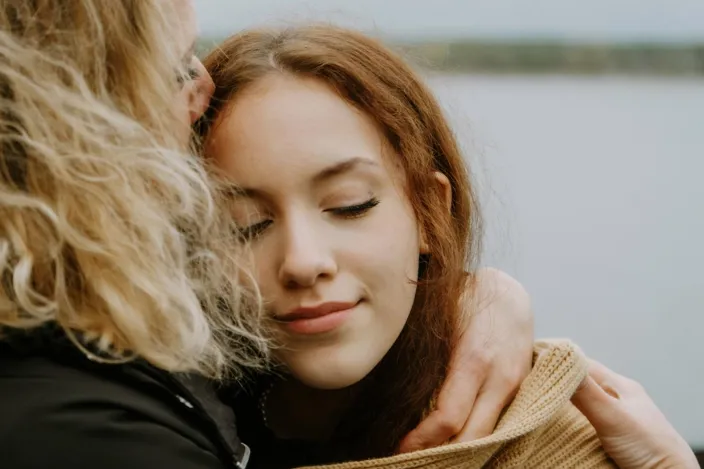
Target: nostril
<point>200,98</point>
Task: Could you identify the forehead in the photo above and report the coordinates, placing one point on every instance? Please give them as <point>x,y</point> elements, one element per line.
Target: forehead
<point>186,21</point>
<point>294,123</point>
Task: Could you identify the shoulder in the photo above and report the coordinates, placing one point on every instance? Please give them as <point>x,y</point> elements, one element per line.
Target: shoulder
<point>59,414</point>
<point>492,284</point>
<point>553,433</point>
<point>493,290</point>
<point>566,440</point>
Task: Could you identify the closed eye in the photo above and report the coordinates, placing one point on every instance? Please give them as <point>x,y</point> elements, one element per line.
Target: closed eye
<point>355,211</point>
<point>251,232</point>
<point>193,73</point>
<point>188,72</point>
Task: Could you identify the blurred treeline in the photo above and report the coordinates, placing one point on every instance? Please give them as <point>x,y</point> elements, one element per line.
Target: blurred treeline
<point>482,56</point>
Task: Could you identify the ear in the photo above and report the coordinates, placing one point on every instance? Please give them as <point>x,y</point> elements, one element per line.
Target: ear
<point>444,188</point>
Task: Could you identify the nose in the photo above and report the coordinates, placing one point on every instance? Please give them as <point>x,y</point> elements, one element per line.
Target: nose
<point>201,92</point>
<point>307,257</point>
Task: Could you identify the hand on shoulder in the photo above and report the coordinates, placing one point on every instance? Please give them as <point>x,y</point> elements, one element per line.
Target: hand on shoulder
<point>493,357</point>
<point>632,430</point>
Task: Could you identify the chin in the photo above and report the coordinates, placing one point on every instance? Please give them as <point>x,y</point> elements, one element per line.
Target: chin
<point>329,376</point>
<point>337,365</point>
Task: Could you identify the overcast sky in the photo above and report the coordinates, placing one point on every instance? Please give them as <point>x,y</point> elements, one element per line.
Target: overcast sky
<point>576,19</point>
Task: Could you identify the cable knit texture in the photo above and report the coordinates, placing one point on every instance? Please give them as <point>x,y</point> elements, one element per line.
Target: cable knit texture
<point>541,429</point>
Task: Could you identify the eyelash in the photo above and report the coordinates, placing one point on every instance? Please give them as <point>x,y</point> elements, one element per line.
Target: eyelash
<point>355,211</point>
<point>248,233</point>
<point>251,232</point>
<point>191,73</point>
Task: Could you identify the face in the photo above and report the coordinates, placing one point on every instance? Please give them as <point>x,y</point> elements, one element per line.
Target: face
<point>335,242</point>
<point>195,82</point>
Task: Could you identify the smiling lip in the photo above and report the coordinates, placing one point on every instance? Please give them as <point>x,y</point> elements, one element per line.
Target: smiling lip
<point>318,319</point>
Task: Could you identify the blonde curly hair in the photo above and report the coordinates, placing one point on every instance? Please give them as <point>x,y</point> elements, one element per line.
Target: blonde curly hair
<point>108,226</point>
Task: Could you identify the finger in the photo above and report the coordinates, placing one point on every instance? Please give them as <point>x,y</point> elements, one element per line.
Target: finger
<point>435,430</point>
<point>598,406</point>
<point>610,381</point>
<point>599,371</point>
<point>483,419</point>
<point>453,406</point>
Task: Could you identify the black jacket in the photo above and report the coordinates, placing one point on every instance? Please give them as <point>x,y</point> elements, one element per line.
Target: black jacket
<point>60,410</point>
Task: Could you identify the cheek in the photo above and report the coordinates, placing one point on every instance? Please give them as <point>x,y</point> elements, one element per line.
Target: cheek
<point>394,255</point>
<point>201,92</point>
<point>398,243</point>
<point>390,262</point>
<point>264,270</point>
<point>181,111</point>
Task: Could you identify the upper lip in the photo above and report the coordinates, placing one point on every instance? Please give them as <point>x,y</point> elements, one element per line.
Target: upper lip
<point>310,312</point>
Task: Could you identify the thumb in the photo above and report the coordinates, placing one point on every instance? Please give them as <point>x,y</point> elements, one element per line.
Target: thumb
<point>598,406</point>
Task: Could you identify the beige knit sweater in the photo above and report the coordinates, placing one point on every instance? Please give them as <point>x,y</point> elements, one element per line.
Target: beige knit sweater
<point>540,429</point>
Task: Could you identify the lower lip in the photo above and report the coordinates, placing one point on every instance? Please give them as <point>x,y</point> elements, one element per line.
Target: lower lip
<point>318,325</point>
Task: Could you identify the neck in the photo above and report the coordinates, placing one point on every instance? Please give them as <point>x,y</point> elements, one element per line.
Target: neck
<point>294,410</point>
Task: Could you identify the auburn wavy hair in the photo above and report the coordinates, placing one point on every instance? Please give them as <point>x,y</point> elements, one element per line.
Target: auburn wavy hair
<point>108,224</point>
<point>380,84</point>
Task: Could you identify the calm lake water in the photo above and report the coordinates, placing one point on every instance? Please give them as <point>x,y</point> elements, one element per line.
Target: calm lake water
<point>593,192</point>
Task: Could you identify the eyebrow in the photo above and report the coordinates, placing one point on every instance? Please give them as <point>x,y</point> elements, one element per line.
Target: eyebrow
<point>342,167</point>
<point>190,52</point>
<point>321,176</point>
